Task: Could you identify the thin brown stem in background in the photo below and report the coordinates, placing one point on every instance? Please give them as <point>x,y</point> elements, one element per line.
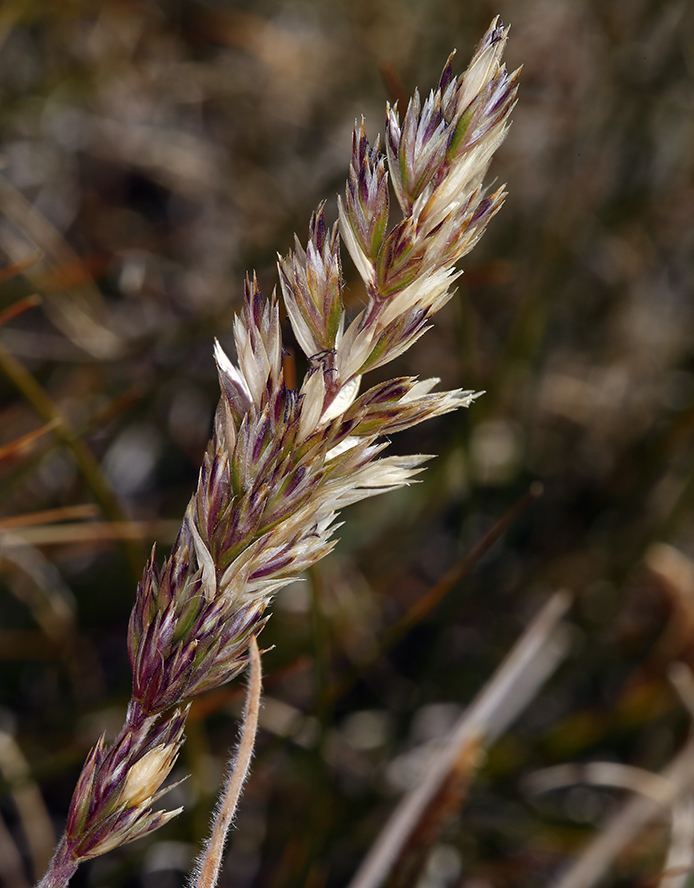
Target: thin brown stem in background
<point>65,431</point>
<point>435,595</point>
<point>17,308</point>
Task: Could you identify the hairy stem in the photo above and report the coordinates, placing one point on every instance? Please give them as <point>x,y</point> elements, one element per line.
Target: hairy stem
<point>210,862</point>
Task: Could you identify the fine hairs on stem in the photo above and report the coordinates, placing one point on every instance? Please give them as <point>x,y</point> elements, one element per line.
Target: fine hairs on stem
<point>207,870</point>
<point>282,463</point>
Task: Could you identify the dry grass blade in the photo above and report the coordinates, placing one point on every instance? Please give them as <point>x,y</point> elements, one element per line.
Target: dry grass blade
<point>438,592</point>
<point>626,825</point>
<point>22,305</point>
<point>97,532</point>
<point>671,789</point>
<point>513,686</point>
<point>435,595</point>
<point>210,863</point>
<point>36,823</point>
<point>11,867</point>
<point>436,815</point>
<point>66,432</point>
<point>41,588</point>
<point>49,516</point>
<point>77,314</point>
<point>680,857</point>
<point>15,268</point>
<point>21,446</point>
<point>611,774</point>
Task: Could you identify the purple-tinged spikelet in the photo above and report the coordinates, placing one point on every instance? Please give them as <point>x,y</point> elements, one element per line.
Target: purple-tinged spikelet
<point>111,804</point>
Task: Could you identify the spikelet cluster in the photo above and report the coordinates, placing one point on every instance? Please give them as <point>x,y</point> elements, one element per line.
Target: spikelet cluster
<point>282,463</point>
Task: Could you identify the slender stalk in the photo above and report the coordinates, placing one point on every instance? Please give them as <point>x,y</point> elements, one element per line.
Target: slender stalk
<point>210,862</point>
<point>62,868</point>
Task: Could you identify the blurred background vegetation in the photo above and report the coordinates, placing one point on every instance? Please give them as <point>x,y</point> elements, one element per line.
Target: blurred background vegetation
<point>154,151</point>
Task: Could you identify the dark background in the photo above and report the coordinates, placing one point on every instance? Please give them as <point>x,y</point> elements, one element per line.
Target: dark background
<point>152,153</point>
